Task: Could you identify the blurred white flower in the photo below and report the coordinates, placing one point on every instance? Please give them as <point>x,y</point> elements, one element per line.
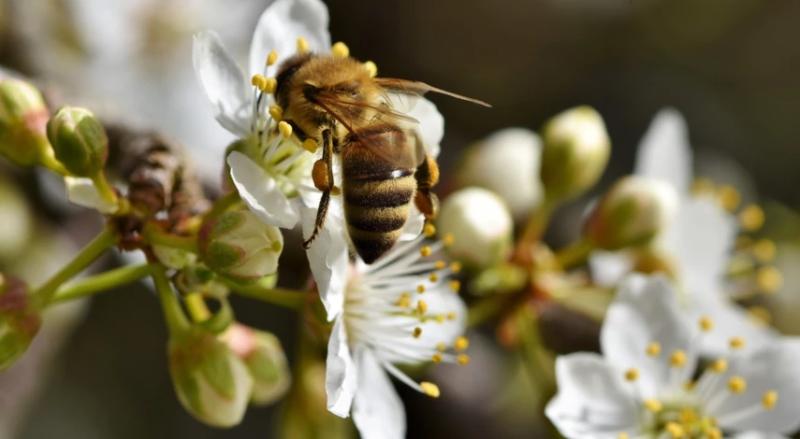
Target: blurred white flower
<point>403,309</point>
<point>699,239</point>
<point>646,383</point>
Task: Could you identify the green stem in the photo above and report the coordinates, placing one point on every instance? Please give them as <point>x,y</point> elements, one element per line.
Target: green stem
<point>99,283</point>
<point>285,297</point>
<point>54,165</point>
<point>197,307</point>
<point>173,313</point>
<point>222,204</point>
<point>83,259</point>
<point>574,254</point>
<point>538,362</point>
<point>104,188</point>
<point>537,224</point>
<point>486,309</point>
<point>154,236</point>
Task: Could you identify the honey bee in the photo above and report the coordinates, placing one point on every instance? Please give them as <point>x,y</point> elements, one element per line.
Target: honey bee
<point>336,102</point>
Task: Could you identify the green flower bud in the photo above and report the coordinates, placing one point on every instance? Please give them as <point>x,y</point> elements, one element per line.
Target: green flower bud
<point>79,141</point>
<point>264,357</point>
<point>238,245</point>
<point>480,224</point>
<point>576,151</point>
<point>211,382</point>
<point>23,116</point>
<point>19,320</point>
<point>631,213</point>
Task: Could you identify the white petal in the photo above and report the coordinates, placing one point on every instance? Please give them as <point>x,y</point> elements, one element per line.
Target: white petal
<point>773,367</point>
<point>328,258</point>
<point>341,376</point>
<point>664,152</point>
<point>645,311</point>
<point>82,192</point>
<point>261,192</point>
<point>730,320</point>
<point>377,409</point>
<point>591,401</point>
<point>608,268</point>
<point>223,83</point>
<point>758,435</point>
<point>431,125</point>
<point>414,225</point>
<point>281,24</point>
<point>700,239</point>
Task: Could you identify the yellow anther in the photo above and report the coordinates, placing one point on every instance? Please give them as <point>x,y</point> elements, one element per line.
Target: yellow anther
<point>760,315</point>
<point>729,197</point>
<point>463,359</point>
<point>433,277</point>
<point>422,307</point>
<point>429,389</point>
<point>448,239</point>
<point>310,145</point>
<point>769,279</point>
<point>713,433</point>
<point>623,435</point>
<point>653,349</point>
<point>404,301</point>
<point>770,399</point>
<point>420,288</point>
<point>429,230</point>
<point>441,347</point>
<point>440,318</point>
<point>302,45</point>
<point>340,50</point>
<point>653,405</point>
<point>702,186</point>
<point>462,343</point>
<point>764,250</point>
<point>269,85</point>
<point>425,251</point>
<point>436,358</point>
<point>285,129</point>
<point>451,315</point>
<point>372,68</point>
<point>276,112</point>
<point>751,218</point>
<point>706,324</point>
<point>258,81</point>
<point>417,332</point>
<point>719,365</point>
<point>737,384</point>
<point>455,286</point>
<point>689,385</point>
<point>272,58</point>
<point>456,267</point>
<point>632,374</point>
<point>675,430</point>
<point>736,342</point>
<point>677,359</point>
<point>439,265</point>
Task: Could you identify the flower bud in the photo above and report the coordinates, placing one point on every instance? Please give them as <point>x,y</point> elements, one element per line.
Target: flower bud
<point>23,116</point>
<point>19,320</point>
<point>211,382</point>
<point>631,213</point>
<point>480,224</point>
<point>576,151</point>
<point>238,245</point>
<point>79,141</point>
<point>263,355</point>
<point>506,163</point>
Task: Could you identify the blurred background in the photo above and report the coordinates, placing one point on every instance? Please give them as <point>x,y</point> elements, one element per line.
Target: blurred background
<point>730,67</point>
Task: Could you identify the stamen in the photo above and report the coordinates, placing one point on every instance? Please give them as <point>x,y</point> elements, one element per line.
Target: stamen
<point>420,288</point>
<point>764,250</point>
<point>285,129</point>
<point>440,318</point>
<point>653,405</point>
<point>448,240</point>
<point>736,343</point>
<point>702,185</point>
<point>276,112</point>
<point>404,301</point>
<point>433,277</point>
<point>310,145</point>
<point>653,349</point>
<point>422,307</point>
<point>417,332</point>
<point>769,279</point>
<point>737,385</point>
<point>272,58</point>
<point>441,347</point>
<point>439,265</point>
<point>429,230</point>
<point>436,358</point>
<point>623,435</point>
<point>677,359</point>
<point>463,359</point>
<point>258,81</point>
<point>302,45</point>
<point>751,218</point>
<point>425,251</point>
<point>462,343</point>
<point>706,324</point>
<point>719,366</point>
<point>760,315</point>
<point>632,374</point>
<point>340,50</point>
<point>451,315</point>
<point>269,86</point>
<point>675,430</point>
<point>372,68</point>
<point>714,433</point>
<point>770,399</point>
<point>455,285</point>
<point>729,197</point>
<point>455,267</point>
<point>430,389</point>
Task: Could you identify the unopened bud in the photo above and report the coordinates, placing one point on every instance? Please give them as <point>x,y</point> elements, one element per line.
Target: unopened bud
<point>576,151</point>
<point>263,355</point>
<point>631,213</point>
<point>79,141</point>
<point>211,382</point>
<point>238,245</point>
<point>23,117</point>
<point>480,224</point>
<point>507,163</point>
<point>19,320</point>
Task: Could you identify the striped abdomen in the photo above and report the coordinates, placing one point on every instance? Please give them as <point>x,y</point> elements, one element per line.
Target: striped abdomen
<point>378,185</point>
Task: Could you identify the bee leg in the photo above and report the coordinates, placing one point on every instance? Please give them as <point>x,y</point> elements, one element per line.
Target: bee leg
<point>322,174</point>
<point>427,175</point>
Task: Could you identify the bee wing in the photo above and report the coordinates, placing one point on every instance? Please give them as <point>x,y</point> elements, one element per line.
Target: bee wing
<point>407,87</point>
<point>356,113</point>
